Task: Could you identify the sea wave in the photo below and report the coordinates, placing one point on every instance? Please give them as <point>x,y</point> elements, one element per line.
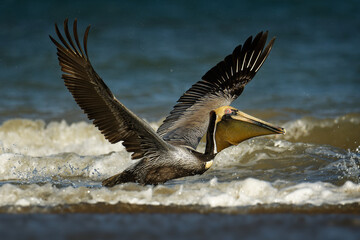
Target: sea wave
<point>36,138</point>
<point>61,163</point>
<point>342,132</point>
<point>248,192</point>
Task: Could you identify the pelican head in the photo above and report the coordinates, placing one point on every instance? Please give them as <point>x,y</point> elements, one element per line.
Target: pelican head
<point>233,127</point>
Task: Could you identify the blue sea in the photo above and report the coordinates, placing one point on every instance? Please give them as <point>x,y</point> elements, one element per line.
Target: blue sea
<point>52,159</point>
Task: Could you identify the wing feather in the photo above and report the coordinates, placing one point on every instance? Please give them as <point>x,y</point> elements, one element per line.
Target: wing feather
<point>112,118</point>
<point>187,122</point>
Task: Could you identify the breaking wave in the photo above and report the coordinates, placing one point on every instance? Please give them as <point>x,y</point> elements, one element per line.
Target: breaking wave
<point>317,162</point>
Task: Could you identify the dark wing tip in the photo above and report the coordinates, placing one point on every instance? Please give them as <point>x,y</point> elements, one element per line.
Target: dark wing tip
<point>87,88</point>
<point>67,43</point>
<point>264,54</point>
<point>52,39</point>
<point>244,61</point>
<point>85,41</point>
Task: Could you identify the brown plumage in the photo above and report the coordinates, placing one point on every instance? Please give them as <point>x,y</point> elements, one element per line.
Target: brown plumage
<point>220,86</point>
<point>169,153</point>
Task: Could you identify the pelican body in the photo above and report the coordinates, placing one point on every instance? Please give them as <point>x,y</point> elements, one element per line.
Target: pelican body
<point>203,110</point>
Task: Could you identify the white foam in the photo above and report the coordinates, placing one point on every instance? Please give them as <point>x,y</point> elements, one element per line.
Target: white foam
<point>35,138</point>
<point>247,192</point>
<point>32,152</point>
<point>15,166</point>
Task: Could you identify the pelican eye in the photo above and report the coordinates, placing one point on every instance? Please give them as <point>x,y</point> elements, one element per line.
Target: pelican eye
<point>230,111</point>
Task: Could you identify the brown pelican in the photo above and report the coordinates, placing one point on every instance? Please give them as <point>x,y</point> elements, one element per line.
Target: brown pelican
<point>201,111</point>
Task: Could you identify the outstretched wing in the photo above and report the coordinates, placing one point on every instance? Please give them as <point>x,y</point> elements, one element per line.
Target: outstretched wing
<point>187,122</point>
<point>112,118</point>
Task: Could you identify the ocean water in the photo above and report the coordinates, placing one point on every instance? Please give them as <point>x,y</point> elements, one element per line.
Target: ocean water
<point>52,159</point>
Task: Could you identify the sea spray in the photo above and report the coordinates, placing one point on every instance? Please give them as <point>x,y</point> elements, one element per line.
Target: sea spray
<point>59,163</point>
